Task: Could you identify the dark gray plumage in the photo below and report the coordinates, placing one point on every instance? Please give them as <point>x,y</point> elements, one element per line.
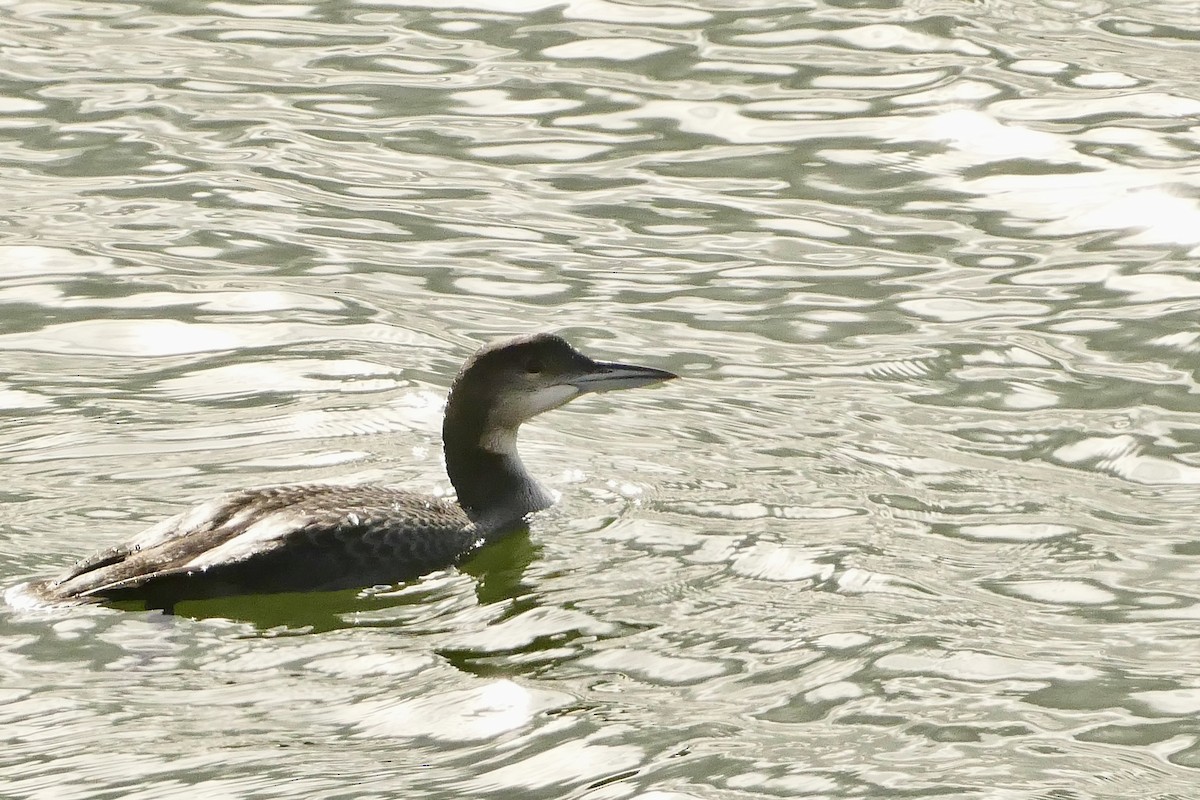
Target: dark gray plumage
<point>325,537</point>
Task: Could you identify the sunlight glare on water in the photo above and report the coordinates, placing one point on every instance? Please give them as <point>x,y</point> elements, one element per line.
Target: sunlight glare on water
<point>917,521</point>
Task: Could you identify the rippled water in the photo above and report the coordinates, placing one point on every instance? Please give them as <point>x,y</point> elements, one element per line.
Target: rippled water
<point>920,520</point>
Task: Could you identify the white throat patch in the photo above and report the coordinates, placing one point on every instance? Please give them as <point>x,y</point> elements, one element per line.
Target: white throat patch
<point>516,408</point>
<point>500,437</point>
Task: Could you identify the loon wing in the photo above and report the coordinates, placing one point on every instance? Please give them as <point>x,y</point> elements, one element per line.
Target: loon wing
<point>284,538</point>
<point>184,543</point>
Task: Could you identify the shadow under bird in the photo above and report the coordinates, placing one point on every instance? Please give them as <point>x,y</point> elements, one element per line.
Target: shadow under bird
<point>311,537</point>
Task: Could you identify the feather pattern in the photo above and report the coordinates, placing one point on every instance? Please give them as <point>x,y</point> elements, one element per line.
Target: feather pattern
<point>306,537</point>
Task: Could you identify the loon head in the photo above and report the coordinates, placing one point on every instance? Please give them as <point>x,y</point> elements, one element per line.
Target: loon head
<point>508,382</point>
<point>501,386</point>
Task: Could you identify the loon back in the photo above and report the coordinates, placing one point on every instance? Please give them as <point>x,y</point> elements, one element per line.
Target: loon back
<point>277,539</point>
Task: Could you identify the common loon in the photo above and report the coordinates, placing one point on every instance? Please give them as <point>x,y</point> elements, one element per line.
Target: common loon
<point>311,537</point>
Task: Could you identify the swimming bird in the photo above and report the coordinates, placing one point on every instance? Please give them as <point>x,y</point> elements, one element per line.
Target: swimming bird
<point>311,537</point>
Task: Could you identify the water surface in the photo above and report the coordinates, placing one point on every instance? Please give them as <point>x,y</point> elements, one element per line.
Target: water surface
<point>919,521</point>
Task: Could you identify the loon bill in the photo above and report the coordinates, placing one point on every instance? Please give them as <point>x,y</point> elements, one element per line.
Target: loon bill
<point>313,537</point>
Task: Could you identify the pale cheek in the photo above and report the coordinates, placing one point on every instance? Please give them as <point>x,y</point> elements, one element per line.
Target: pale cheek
<point>518,409</point>
<point>553,397</point>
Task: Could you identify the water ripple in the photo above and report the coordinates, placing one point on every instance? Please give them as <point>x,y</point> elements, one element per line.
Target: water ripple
<point>924,501</point>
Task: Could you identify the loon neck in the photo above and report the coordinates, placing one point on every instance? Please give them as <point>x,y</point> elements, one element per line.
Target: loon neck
<point>493,486</point>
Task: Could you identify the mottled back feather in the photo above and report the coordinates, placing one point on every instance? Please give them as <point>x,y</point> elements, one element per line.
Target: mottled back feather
<point>278,539</point>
